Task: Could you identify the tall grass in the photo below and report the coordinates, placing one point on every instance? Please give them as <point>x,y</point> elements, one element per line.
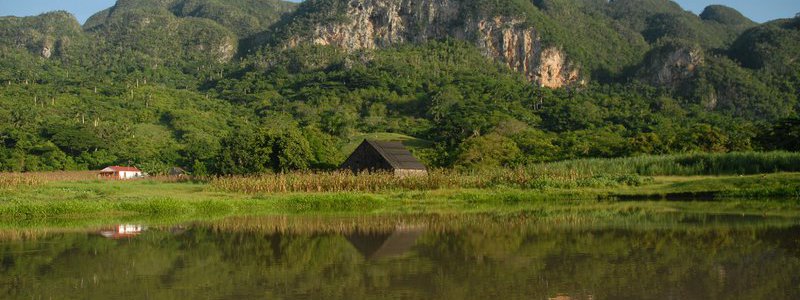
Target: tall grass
<point>17,180</point>
<point>21,180</point>
<point>737,163</point>
<point>344,181</point>
<point>596,173</point>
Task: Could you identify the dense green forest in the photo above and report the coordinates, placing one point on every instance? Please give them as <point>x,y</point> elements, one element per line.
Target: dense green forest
<point>212,86</point>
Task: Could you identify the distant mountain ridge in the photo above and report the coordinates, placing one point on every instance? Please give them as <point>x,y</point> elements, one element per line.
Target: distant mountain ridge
<point>202,83</point>
<point>551,42</point>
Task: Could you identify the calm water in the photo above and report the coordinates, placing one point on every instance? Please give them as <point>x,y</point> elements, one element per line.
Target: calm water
<point>278,258</point>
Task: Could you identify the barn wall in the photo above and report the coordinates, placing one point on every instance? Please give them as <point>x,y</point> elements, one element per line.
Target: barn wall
<point>129,175</point>
<point>410,173</point>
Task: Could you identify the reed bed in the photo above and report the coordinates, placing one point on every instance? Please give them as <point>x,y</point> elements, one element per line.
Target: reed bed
<point>18,180</point>
<point>345,181</point>
<point>736,163</point>
<point>597,173</point>
<point>593,173</point>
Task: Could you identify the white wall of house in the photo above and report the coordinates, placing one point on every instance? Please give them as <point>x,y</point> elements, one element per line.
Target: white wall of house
<point>129,175</point>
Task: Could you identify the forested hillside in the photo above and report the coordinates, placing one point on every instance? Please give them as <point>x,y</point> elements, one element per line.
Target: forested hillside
<point>252,86</point>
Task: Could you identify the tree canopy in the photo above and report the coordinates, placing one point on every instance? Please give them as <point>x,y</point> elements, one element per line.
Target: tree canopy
<point>201,84</point>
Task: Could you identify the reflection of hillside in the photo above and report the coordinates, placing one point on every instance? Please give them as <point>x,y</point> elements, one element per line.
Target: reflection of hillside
<point>433,223</point>
<point>483,261</point>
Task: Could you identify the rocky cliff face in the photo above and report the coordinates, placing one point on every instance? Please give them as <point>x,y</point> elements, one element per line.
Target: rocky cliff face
<point>373,24</point>
<point>672,65</point>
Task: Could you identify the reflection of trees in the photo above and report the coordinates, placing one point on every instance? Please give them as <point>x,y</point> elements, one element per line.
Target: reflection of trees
<point>468,262</point>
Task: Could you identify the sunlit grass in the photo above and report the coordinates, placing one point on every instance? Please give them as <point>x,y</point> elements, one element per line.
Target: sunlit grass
<point>737,163</point>
<point>99,202</point>
<point>576,191</point>
<point>15,181</point>
<point>574,174</point>
<point>343,181</point>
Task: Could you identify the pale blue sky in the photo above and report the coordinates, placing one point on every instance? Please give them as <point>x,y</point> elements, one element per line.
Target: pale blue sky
<point>760,10</point>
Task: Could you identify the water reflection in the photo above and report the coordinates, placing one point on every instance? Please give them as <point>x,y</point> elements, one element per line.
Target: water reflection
<point>375,246</point>
<point>123,231</point>
<point>429,259</point>
<point>568,297</point>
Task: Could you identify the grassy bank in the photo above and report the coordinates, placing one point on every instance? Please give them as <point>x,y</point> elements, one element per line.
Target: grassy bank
<point>573,190</point>
<point>94,202</point>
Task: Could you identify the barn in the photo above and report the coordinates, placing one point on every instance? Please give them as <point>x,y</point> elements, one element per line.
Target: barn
<point>117,172</point>
<point>388,156</point>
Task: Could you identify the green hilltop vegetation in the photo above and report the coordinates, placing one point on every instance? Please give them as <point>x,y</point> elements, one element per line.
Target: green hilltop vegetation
<point>215,87</point>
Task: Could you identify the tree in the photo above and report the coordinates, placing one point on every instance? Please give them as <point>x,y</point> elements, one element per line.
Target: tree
<point>784,135</point>
<point>257,150</point>
<point>707,138</point>
<point>150,147</point>
<point>491,150</point>
<point>290,150</point>
<point>75,140</point>
<point>323,147</point>
<point>245,151</point>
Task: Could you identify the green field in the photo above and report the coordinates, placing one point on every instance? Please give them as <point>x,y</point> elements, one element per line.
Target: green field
<point>94,202</point>
<point>591,190</point>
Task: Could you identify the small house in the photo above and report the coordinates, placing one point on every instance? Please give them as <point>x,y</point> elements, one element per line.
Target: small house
<point>117,172</point>
<point>372,156</point>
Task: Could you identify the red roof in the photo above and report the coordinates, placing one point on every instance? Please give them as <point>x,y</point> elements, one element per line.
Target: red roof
<point>123,169</point>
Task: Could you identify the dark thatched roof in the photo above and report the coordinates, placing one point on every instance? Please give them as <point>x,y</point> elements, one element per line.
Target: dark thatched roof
<point>383,156</point>
<point>396,154</point>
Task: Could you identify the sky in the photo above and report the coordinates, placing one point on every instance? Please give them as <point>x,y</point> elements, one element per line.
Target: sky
<point>758,10</point>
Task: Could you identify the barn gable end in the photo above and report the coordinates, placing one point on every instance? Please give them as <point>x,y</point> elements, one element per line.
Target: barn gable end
<point>384,156</point>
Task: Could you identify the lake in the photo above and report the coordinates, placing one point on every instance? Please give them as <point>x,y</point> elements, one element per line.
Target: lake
<point>394,257</point>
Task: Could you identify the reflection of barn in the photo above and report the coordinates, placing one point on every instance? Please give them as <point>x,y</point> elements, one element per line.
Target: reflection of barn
<point>123,231</point>
<point>568,297</point>
<point>384,156</point>
<point>375,246</point>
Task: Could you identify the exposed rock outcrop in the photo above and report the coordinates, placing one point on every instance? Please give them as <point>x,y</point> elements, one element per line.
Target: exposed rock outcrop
<point>46,52</point>
<point>521,48</point>
<point>672,65</point>
<point>679,65</point>
<point>222,51</point>
<point>226,50</point>
<point>372,24</point>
